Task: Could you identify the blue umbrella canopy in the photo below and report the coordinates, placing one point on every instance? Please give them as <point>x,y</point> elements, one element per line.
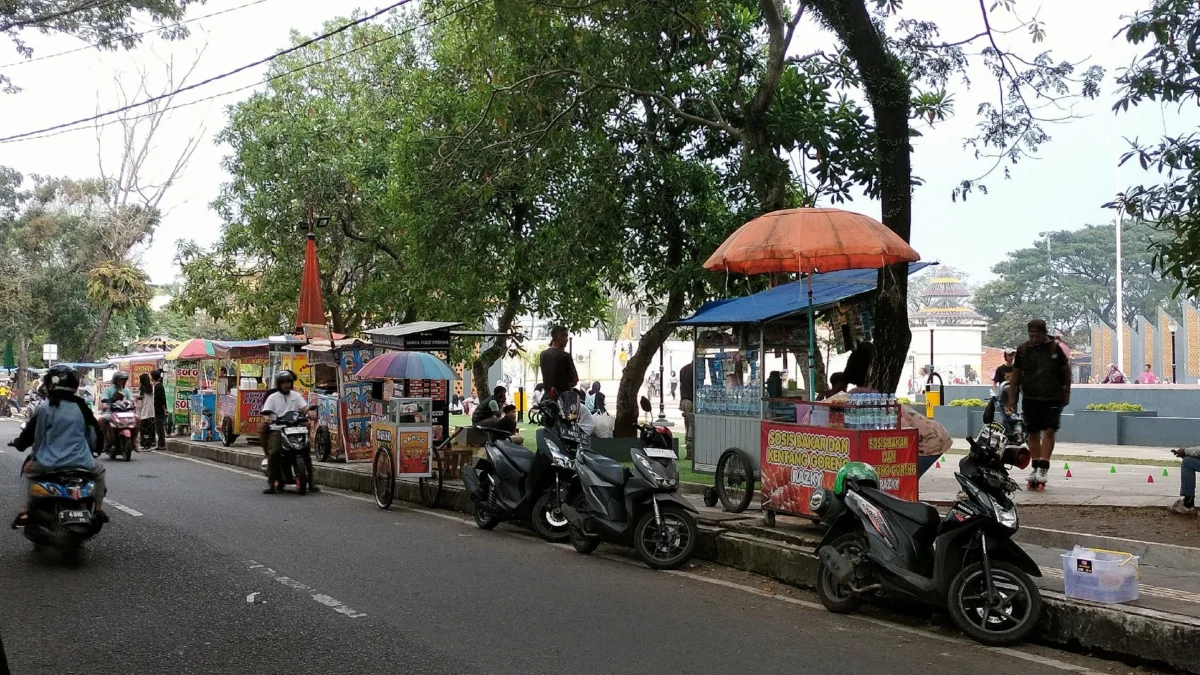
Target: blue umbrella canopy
<point>406,366</point>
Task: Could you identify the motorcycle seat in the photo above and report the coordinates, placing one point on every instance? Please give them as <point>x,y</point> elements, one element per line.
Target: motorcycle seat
<point>608,469</point>
<point>919,512</point>
<point>517,454</point>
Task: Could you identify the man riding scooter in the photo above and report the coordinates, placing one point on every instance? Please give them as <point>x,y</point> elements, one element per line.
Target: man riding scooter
<point>283,400</point>
<point>120,382</point>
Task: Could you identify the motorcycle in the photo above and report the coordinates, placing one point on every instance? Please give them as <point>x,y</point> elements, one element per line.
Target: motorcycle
<point>640,507</point>
<point>122,418</point>
<point>512,483</point>
<point>293,432</point>
<point>883,547</point>
<point>62,510</point>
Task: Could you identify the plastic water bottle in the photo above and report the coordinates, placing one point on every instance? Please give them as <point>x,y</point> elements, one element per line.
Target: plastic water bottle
<point>852,412</point>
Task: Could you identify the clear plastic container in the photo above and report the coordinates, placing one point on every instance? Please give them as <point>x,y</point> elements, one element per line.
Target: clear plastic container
<point>1100,576</point>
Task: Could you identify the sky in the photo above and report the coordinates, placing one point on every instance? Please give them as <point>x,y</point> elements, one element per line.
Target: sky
<point>1063,189</point>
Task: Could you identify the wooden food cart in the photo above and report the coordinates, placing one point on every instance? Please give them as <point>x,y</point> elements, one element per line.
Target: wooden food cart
<point>343,402</point>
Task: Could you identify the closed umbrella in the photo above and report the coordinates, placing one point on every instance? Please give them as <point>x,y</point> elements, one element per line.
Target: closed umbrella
<point>810,241</point>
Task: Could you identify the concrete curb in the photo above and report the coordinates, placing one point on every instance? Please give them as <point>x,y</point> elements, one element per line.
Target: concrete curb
<point>1152,553</point>
<point>1135,633</point>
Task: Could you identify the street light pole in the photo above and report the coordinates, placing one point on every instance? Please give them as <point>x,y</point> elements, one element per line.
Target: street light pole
<point>1174,327</point>
<point>1120,322</point>
<point>662,408</point>
<point>931,324</point>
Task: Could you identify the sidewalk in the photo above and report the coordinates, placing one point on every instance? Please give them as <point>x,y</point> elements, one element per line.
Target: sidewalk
<point>1162,626</point>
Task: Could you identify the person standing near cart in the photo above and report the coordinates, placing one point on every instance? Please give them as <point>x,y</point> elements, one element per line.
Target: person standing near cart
<point>558,368</point>
<point>687,407</point>
<point>1042,374</point>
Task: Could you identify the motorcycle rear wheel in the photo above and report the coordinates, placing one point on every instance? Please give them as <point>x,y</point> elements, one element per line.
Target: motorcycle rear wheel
<point>670,550</point>
<point>483,519</point>
<point>1018,611</point>
<point>835,597</point>
<point>582,543</point>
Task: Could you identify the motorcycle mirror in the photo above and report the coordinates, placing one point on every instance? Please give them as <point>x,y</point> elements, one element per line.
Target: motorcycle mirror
<point>645,404</point>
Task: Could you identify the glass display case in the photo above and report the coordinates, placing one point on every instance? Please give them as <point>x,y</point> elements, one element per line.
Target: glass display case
<point>728,373</point>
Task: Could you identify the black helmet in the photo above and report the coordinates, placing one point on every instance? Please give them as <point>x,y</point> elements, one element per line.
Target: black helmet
<point>120,375</point>
<point>61,378</point>
<point>284,375</point>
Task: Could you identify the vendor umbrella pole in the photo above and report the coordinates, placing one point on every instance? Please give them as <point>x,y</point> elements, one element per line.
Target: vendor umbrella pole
<point>811,384</point>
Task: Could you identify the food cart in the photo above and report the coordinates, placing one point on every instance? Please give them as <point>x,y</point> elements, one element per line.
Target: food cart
<point>343,402</point>
<point>136,365</point>
<point>245,375</point>
<point>741,362</point>
<point>190,370</point>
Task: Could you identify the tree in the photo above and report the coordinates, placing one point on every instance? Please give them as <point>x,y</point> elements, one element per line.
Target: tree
<point>1166,73</point>
<point>1070,284</point>
<point>105,24</point>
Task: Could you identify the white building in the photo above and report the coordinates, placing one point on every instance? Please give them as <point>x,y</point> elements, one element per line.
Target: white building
<point>946,333</point>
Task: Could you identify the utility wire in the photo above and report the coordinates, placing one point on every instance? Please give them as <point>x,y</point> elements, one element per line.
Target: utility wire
<point>86,6</point>
<point>154,99</point>
<point>111,40</point>
<point>268,80</point>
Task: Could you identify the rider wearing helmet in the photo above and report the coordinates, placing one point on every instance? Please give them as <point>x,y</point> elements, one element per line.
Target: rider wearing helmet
<point>119,390</point>
<point>281,401</point>
<point>64,435</point>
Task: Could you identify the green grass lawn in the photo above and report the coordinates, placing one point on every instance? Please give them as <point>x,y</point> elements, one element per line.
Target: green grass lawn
<point>529,432</point>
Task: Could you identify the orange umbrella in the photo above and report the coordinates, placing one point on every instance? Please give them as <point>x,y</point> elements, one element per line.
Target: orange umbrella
<point>312,306</point>
<point>808,241</point>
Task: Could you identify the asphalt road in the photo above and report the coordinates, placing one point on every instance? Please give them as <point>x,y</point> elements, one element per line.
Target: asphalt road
<point>211,576</point>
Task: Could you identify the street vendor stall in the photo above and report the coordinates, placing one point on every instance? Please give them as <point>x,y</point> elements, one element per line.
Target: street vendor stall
<point>743,394</point>
<point>343,401</point>
<point>137,364</point>
<point>190,371</point>
<point>245,376</point>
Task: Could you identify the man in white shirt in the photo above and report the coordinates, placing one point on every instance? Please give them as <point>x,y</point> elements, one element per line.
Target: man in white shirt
<point>283,400</point>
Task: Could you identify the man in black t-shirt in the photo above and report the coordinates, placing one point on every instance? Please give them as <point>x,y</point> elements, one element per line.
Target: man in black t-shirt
<point>558,368</point>
<point>489,408</point>
<point>1002,372</point>
<point>687,407</point>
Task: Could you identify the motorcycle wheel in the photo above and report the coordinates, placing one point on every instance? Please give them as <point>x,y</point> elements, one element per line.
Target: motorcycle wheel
<point>1009,621</point>
<point>735,480</point>
<point>548,521</point>
<point>127,448</point>
<point>670,548</point>
<point>834,596</point>
<point>301,473</point>
<point>582,543</point>
<point>484,519</point>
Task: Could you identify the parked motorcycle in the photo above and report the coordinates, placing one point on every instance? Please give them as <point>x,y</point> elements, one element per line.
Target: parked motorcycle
<point>512,483</point>
<point>640,507</point>
<point>293,432</point>
<point>881,546</point>
<point>122,418</point>
<point>62,512</point>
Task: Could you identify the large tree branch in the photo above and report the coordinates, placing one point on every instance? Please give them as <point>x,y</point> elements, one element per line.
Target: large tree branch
<point>779,37</point>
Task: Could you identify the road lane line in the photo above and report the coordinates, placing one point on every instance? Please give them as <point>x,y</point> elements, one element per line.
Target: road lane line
<point>123,508</point>
<point>318,597</point>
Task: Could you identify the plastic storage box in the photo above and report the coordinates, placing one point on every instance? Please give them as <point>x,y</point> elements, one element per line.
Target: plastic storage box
<point>1100,576</point>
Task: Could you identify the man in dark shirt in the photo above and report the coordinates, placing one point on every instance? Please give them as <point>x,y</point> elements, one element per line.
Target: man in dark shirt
<point>687,406</point>
<point>1002,372</point>
<point>509,421</point>
<point>160,408</point>
<point>1041,376</point>
<point>558,368</point>
<point>489,407</point>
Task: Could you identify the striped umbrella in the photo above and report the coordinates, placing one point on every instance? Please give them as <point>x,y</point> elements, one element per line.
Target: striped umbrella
<point>193,350</point>
<point>406,366</point>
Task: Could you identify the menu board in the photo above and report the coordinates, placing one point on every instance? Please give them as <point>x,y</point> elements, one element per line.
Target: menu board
<point>250,405</point>
<point>439,391</point>
<point>329,416</point>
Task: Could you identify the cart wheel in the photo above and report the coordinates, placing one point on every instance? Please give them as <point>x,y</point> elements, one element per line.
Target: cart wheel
<point>735,480</point>
<point>769,518</point>
<point>227,435</point>
<point>710,497</point>
<point>431,488</point>
<point>324,445</point>
<point>383,474</point>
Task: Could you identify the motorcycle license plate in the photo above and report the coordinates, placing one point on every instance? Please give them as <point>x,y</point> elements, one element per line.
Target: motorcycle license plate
<point>296,430</point>
<point>659,453</point>
<point>73,517</point>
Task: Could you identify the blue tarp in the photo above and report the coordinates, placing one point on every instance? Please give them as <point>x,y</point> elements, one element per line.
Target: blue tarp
<point>781,301</point>
<point>83,366</point>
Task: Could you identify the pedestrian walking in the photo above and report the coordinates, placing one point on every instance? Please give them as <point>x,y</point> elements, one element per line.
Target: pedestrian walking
<point>160,408</point>
<point>687,407</point>
<point>144,400</point>
<point>1186,504</point>
<point>674,384</point>
<point>1041,377</point>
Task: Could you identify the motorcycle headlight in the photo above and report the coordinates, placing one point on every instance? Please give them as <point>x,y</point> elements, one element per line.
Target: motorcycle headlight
<point>1006,517</point>
<point>558,457</point>
<point>653,472</point>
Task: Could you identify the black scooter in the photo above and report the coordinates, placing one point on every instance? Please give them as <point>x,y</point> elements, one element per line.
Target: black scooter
<point>293,433</point>
<point>512,483</point>
<point>639,507</point>
<point>62,513</point>
<point>881,546</point>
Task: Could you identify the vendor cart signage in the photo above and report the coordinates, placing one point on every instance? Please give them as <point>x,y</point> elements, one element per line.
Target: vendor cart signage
<point>425,341</point>
<point>250,414</point>
<point>797,459</point>
<point>415,451</point>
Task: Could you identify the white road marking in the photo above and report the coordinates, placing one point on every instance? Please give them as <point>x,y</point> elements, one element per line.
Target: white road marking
<point>321,598</point>
<point>123,508</point>
<point>250,598</point>
<point>1007,651</point>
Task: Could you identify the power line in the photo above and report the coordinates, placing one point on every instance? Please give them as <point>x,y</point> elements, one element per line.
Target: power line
<point>86,6</point>
<point>268,80</point>
<point>153,99</point>
<point>111,40</point>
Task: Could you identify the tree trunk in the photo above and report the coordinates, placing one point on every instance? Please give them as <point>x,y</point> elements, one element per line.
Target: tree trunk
<point>98,333</point>
<point>635,369</point>
<point>888,90</point>
<point>483,363</point>
<point>22,367</point>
